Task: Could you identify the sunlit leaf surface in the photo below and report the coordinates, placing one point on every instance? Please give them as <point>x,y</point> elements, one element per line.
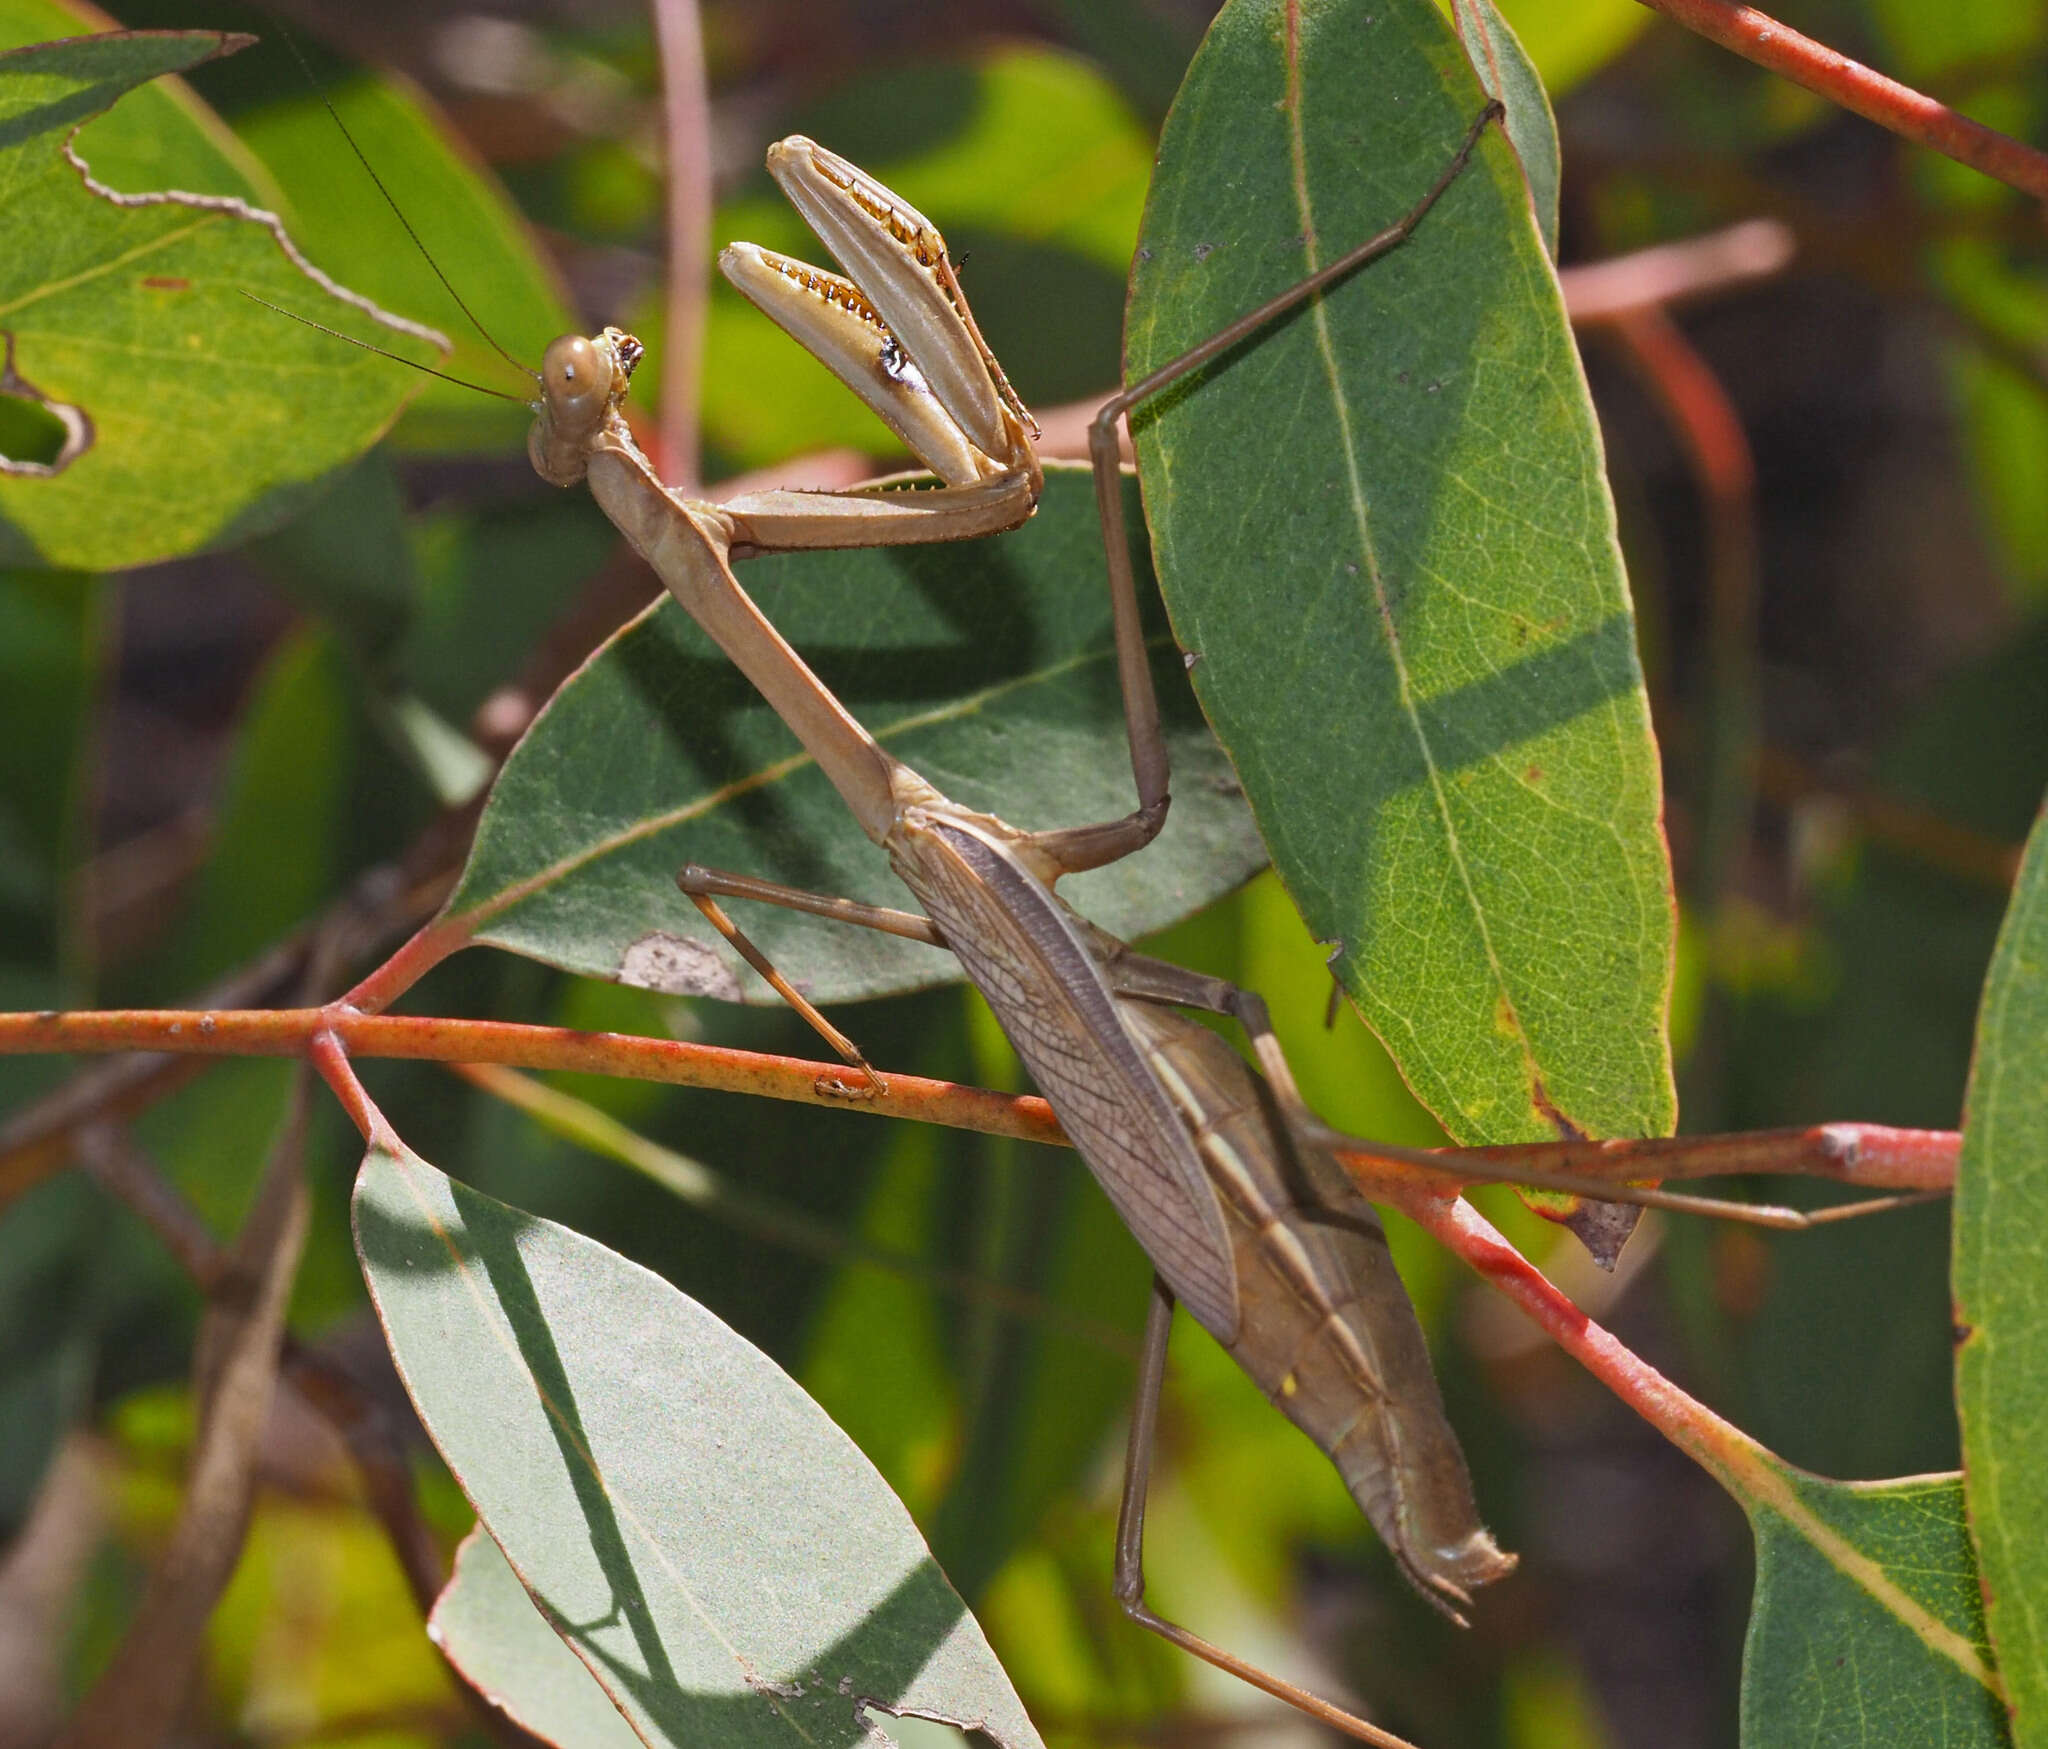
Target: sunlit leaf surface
<point>718,1553</point>
<point>1387,545</point>
<point>1867,1630</point>
<point>195,416</point>
<point>505,1649</point>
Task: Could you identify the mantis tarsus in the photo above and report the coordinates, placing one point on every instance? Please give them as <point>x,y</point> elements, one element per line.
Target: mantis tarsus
<point>1222,1176</point>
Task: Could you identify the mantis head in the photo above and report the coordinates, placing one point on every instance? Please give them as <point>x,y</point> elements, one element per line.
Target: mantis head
<point>582,382</point>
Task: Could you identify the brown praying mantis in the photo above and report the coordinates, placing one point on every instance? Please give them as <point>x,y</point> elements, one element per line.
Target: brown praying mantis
<point>1244,1216</point>
<point>1224,1176</point>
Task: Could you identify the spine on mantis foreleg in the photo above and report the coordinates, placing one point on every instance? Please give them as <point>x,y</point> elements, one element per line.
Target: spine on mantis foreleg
<point>1326,1329</point>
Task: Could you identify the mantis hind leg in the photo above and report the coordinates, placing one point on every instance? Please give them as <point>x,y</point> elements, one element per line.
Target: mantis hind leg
<point>705,886</point>
<point>1130,1546</point>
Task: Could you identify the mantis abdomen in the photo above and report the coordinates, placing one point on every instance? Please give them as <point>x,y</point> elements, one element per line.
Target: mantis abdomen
<point>1261,1236</point>
<point>1325,1328</point>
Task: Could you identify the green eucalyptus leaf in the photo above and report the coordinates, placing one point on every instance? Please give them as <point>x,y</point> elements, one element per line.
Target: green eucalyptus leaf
<point>193,416</point>
<point>1507,72</point>
<point>720,1556</point>
<point>1867,1631</point>
<point>2001,1295</point>
<point>161,135</point>
<point>986,665</point>
<point>1387,544</point>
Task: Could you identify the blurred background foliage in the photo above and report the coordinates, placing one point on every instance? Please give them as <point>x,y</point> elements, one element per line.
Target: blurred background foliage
<point>200,756</point>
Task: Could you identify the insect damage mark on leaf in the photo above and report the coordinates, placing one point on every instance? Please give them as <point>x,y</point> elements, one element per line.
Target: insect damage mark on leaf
<point>674,965</point>
<point>39,436</point>
<point>1602,1227</point>
<point>1546,1107</point>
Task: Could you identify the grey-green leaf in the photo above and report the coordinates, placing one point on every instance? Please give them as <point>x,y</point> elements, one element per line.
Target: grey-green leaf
<point>984,664</point>
<point>2001,1295</point>
<point>1386,539</point>
<point>494,1635</point>
<point>722,1558</point>
<point>1867,1632</point>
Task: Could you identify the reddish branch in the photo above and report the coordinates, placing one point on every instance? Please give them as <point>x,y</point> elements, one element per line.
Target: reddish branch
<point>292,1032</point>
<point>686,125</point>
<point>1724,1450</point>
<point>1867,1154</point>
<point>1862,1154</point>
<point>1668,273</point>
<point>1905,826</point>
<point>1912,115</point>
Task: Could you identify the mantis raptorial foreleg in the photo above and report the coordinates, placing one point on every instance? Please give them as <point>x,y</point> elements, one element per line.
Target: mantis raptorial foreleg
<point>1141,705</point>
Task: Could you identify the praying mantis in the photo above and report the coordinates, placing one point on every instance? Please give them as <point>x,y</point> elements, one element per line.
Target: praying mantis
<point>1225,1177</point>
<point>1222,1176</point>
<point>1245,1217</point>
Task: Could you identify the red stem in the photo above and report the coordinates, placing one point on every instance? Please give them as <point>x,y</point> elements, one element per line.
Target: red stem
<point>428,947</point>
<point>1864,1154</point>
<point>1868,1154</point>
<point>686,117</point>
<point>1912,115</point>
<point>1721,1448</point>
<point>291,1032</point>
<point>339,1073</point>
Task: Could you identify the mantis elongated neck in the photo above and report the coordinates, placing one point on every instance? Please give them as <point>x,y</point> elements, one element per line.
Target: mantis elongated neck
<point>687,544</point>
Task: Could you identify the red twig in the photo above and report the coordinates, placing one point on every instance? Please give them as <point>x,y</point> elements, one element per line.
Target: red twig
<point>1864,1154</point>
<point>1872,1155</point>
<point>327,1055</point>
<point>1709,431</point>
<point>1905,826</point>
<point>1912,115</point>
<point>1667,273</point>
<point>1721,1448</point>
<point>429,946</point>
<point>291,1032</point>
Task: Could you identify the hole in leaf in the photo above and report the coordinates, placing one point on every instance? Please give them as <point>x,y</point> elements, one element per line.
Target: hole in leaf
<point>37,435</point>
<point>912,1732</point>
<point>29,432</point>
